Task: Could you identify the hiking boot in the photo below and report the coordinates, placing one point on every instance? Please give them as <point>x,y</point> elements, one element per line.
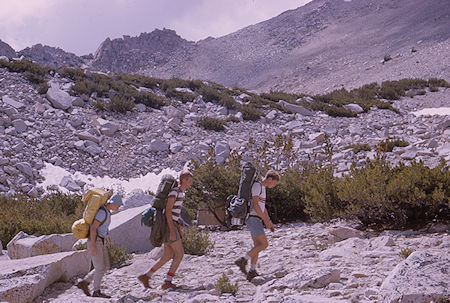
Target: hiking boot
<point>84,286</point>
<point>99,294</point>
<point>168,285</point>
<point>251,274</point>
<point>144,280</point>
<point>242,263</point>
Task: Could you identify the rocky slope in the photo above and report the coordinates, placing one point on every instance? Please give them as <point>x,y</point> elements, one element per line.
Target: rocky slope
<point>66,131</point>
<point>318,47</point>
<point>6,50</point>
<point>308,263</point>
<point>51,56</point>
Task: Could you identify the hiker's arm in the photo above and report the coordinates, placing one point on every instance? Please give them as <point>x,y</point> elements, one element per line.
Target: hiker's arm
<point>93,236</point>
<point>169,206</point>
<point>261,214</point>
<point>270,225</point>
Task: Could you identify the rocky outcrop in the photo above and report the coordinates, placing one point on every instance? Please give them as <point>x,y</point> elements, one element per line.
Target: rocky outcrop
<point>23,280</point>
<point>131,54</point>
<point>51,56</point>
<point>25,246</point>
<point>422,277</point>
<point>6,50</point>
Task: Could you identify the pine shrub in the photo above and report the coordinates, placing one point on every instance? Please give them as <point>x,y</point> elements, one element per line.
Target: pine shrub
<point>223,285</point>
<point>196,242</point>
<point>210,123</point>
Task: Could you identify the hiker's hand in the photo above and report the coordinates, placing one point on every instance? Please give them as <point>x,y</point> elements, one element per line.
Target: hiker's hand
<point>173,236</point>
<point>270,226</point>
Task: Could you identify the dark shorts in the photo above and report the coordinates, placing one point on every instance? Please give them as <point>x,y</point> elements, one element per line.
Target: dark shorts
<point>256,226</point>
<point>177,234</point>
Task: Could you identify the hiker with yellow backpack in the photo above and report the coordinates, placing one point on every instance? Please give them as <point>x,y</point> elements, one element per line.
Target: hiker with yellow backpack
<point>95,227</point>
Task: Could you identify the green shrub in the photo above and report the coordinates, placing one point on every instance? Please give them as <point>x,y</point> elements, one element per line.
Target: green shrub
<point>53,213</point>
<point>399,197</point>
<point>174,83</point>
<point>389,144</point>
<point>43,88</point>
<point>278,95</point>
<point>286,199</point>
<point>139,80</point>
<point>99,104</point>
<point>359,147</point>
<point>120,104</point>
<point>118,255</point>
<point>196,242</point>
<point>249,112</point>
<point>210,94</point>
<point>405,252</point>
<point>233,119</point>
<point>438,82</point>
<point>223,285</point>
<point>321,193</point>
<point>149,99</point>
<point>228,102</point>
<point>75,74</point>
<point>434,89</point>
<point>182,96</point>
<point>213,183</point>
<point>335,111</point>
<point>210,123</point>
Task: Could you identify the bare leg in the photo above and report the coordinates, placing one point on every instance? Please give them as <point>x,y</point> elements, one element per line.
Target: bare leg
<point>178,250</point>
<point>260,243</point>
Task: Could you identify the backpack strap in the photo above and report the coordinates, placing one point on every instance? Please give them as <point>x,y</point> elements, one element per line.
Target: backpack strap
<point>106,214</point>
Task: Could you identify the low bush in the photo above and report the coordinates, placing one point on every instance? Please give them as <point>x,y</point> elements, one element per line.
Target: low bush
<point>210,94</point>
<point>389,144</point>
<point>359,147</point>
<point>118,254</point>
<point>120,104</point>
<point>43,88</point>
<point>250,112</point>
<point>233,119</point>
<point>182,96</point>
<point>210,123</point>
<point>53,213</point>
<point>223,285</point>
<point>405,252</point>
<point>75,74</point>
<point>228,102</point>
<point>149,99</point>
<point>196,242</point>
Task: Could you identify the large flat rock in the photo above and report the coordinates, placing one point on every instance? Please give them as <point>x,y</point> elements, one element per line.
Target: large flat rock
<point>25,279</point>
<point>126,230</point>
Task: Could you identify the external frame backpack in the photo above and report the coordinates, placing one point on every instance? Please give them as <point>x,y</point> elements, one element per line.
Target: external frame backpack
<point>94,199</point>
<point>159,222</point>
<point>238,206</point>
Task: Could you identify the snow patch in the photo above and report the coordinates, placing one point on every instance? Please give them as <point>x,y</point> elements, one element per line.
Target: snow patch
<point>442,111</point>
<point>53,174</point>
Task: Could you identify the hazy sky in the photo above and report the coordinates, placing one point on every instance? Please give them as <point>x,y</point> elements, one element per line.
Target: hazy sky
<point>79,26</point>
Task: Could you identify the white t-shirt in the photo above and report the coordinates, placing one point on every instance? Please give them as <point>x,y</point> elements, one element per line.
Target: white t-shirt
<point>179,197</point>
<point>258,190</point>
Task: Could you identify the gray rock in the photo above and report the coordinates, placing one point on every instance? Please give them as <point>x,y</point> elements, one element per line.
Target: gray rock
<point>107,128</point>
<point>11,102</point>
<point>94,149</point>
<point>140,107</point>
<point>19,126</point>
<point>422,277</point>
<point>25,168</point>
<point>158,145</point>
<point>296,108</point>
<point>175,147</point>
<point>76,120</point>
<point>88,136</point>
<point>354,108</point>
<point>59,98</point>
<point>77,101</point>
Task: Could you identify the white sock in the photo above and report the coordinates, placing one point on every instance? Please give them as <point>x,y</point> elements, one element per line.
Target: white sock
<point>252,266</point>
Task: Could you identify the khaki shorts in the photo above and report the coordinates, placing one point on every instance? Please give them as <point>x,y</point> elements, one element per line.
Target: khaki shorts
<point>177,234</point>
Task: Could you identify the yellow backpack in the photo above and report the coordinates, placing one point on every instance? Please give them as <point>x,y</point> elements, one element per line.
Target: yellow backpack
<point>95,198</point>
